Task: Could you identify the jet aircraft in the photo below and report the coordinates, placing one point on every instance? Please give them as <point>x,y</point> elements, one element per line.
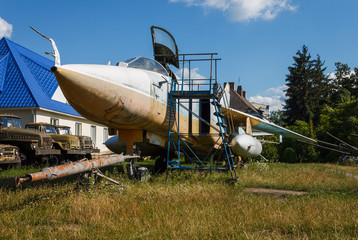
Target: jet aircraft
<point>133,98</point>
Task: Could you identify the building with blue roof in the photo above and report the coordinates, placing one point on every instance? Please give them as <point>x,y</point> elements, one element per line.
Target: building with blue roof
<point>30,90</point>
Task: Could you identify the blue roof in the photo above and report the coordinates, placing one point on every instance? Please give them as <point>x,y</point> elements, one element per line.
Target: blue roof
<point>26,79</point>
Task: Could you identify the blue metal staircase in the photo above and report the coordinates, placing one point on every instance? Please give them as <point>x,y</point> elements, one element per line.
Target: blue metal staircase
<point>224,132</point>
<point>182,95</point>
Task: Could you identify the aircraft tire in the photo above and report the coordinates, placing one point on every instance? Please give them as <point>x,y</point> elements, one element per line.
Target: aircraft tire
<point>160,165</point>
<point>53,160</point>
<point>23,159</point>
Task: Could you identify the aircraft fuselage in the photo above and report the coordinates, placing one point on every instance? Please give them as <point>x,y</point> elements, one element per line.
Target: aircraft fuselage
<point>119,97</point>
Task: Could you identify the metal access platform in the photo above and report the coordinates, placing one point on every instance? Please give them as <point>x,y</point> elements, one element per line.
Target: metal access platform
<point>202,92</point>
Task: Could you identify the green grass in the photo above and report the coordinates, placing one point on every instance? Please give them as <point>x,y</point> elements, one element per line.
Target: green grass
<point>13,171</point>
<point>187,205</point>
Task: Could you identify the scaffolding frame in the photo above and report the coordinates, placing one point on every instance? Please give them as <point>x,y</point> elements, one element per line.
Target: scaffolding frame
<point>207,90</point>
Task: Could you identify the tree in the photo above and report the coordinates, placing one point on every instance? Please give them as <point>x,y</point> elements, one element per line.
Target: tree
<point>341,121</point>
<point>354,77</point>
<point>289,155</point>
<point>320,88</point>
<point>342,85</point>
<point>343,77</point>
<point>296,105</point>
<point>269,150</point>
<point>278,117</point>
<point>307,88</point>
<point>305,152</point>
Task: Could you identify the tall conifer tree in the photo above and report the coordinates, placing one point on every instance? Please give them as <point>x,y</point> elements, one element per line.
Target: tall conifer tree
<point>307,89</point>
<point>320,88</point>
<point>298,80</point>
<point>355,83</point>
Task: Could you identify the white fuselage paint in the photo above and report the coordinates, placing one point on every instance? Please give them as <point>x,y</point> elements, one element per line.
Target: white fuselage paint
<point>116,96</point>
<point>138,80</point>
<point>130,98</point>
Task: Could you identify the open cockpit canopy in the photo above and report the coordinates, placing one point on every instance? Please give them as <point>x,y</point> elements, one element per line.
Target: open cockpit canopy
<point>164,46</point>
<point>146,64</point>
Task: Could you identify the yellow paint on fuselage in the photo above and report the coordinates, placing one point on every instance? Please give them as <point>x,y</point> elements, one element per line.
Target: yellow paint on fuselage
<point>123,107</point>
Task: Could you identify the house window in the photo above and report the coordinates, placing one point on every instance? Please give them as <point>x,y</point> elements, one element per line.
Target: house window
<point>78,129</point>
<point>112,131</point>
<point>54,121</point>
<point>105,134</point>
<point>93,134</point>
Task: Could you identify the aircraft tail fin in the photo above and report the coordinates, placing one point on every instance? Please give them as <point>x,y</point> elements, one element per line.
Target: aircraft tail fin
<point>248,126</point>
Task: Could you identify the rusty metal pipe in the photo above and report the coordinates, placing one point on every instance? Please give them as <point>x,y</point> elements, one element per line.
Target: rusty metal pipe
<point>60,171</point>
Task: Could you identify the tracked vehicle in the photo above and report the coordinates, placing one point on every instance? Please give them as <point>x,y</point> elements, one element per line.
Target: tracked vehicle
<point>33,147</point>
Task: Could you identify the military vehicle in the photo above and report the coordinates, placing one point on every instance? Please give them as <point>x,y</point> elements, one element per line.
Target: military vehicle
<point>9,155</point>
<point>85,141</point>
<point>69,145</point>
<point>34,147</point>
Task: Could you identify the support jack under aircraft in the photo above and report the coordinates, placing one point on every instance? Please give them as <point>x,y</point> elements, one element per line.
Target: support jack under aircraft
<point>157,113</point>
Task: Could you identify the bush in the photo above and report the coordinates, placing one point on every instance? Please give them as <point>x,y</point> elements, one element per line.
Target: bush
<point>289,156</point>
<point>269,150</point>
<point>304,152</point>
<point>332,157</point>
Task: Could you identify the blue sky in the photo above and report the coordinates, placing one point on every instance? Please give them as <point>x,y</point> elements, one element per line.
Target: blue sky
<point>256,39</point>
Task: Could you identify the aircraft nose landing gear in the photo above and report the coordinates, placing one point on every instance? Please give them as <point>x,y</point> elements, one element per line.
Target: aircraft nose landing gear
<point>137,172</point>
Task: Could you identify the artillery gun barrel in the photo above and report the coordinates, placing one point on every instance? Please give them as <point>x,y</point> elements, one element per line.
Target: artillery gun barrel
<point>64,170</point>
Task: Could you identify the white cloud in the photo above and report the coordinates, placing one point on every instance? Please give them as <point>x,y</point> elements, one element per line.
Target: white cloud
<point>244,10</point>
<point>280,91</point>
<point>332,76</point>
<point>275,97</point>
<point>5,28</point>
<point>194,73</point>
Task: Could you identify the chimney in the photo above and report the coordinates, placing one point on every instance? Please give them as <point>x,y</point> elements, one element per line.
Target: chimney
<point>244,94</point>
<point>239,90</point>
<point>232,85</point>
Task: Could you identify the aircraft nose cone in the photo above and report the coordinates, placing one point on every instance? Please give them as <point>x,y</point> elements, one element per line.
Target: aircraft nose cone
<point>53,69</point>
<point>73,84</point>
<point>110,95</point>
<point>88,95</point>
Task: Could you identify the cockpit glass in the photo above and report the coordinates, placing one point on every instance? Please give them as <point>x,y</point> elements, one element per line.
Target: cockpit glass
<point>163,38</point>
<point>147,64</point>
<point>129,60</point>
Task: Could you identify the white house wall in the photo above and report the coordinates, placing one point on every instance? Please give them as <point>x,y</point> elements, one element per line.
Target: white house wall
<point>25,114</point>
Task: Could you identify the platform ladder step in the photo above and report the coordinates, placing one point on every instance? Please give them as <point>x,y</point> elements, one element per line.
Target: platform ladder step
<point>217,114</point>
<point>216,103</point>
<point>223,132</point>
<point>222,124</point>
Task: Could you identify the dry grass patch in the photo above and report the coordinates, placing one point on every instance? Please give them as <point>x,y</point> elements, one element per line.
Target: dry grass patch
<point>305,177</point>
<point>275,192</point>
<point>189,206</point>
